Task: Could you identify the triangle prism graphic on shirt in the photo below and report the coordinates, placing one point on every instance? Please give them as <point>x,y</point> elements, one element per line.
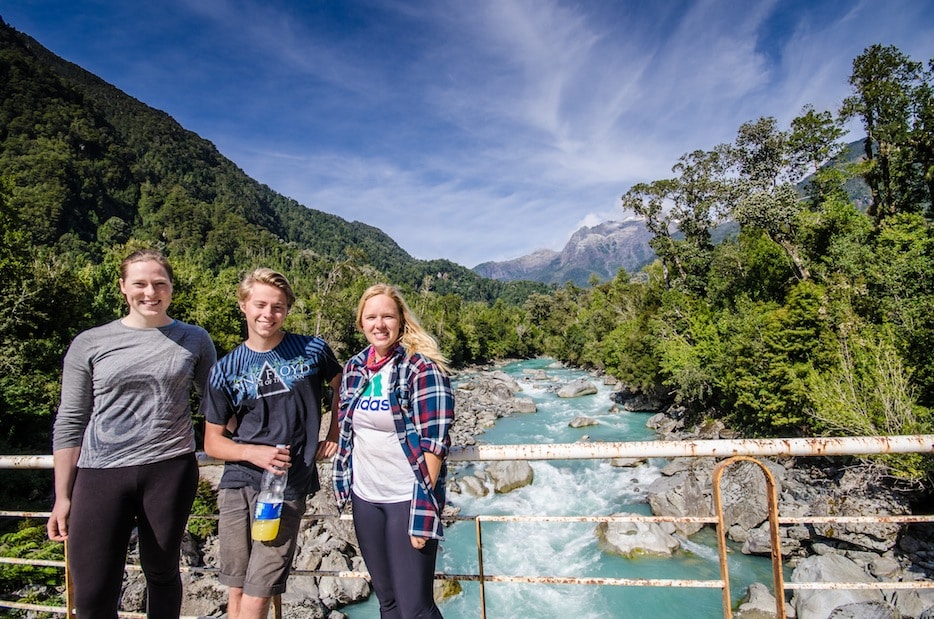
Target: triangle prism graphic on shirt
<point>269,383</point>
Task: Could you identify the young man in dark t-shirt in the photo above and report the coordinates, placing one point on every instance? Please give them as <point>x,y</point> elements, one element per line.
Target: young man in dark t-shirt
<point>266,392</point>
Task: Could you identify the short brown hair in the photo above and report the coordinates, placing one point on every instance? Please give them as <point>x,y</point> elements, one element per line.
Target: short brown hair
<point>145,255</point>
<point>269,277</point>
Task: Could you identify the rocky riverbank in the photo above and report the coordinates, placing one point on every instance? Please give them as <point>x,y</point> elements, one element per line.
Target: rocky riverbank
<point>823,552</point>
<point>813,486</point>
<point>840,552</point>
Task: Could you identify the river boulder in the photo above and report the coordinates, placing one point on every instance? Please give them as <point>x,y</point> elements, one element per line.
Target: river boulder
<point>577,388</point>
<point>857,491</point>
<point>633,539</point>
<point>538,375</point>
<point>340,591</point>
<point>446,589</point>
<point>524,405</point>
<point>683,490</point>
<point>758,603</point>
<point>473,485</point>
<point>509,476</point>
<point>831,567</point>
<point>865,610</point>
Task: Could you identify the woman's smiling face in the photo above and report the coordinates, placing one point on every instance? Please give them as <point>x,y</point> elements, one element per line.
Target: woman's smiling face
<point>381,323</point>
<point>148,292</point>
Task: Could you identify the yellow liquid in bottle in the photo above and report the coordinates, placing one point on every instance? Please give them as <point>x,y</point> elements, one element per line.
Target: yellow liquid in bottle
<point>265,530</point>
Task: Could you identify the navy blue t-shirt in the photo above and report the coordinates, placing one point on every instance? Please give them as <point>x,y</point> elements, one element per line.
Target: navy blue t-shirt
<point>275,397</point>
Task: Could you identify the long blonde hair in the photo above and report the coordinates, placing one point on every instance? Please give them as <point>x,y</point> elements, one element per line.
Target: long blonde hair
<point>413,336</point>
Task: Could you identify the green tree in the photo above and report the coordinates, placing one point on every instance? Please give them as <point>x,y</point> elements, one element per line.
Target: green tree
<point>921,137</point>
<point>814,142</point>
<point>686,206</point>
<point>885,82</point>
<point>42,303</point>
<point>900,293</point>
<point>769,353</point>
<point>688,347</point>
<point>868,391</point>
<point>765,198</point>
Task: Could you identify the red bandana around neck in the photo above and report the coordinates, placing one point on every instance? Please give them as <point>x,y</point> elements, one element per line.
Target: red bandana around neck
<point>372,364</point>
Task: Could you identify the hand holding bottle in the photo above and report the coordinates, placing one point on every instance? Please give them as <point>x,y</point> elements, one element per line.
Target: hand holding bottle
<point>268,510</point>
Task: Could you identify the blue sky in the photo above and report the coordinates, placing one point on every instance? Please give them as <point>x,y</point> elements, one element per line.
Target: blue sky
<point>472,130</point>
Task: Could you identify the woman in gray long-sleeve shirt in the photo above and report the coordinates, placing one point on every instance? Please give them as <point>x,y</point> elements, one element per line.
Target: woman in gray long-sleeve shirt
<point>123,444</point>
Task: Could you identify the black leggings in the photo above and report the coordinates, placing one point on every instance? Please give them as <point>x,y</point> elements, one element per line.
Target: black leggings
<point>402,576</point>
<point>105,506</point>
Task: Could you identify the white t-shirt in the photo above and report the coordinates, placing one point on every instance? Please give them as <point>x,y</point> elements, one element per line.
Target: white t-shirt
<point>381,472</point>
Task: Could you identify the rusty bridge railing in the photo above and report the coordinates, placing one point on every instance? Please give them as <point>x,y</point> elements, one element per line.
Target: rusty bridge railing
<point>728,451</point>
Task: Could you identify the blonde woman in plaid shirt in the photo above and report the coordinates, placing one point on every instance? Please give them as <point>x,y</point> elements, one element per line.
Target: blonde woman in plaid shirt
<point>396,410</point>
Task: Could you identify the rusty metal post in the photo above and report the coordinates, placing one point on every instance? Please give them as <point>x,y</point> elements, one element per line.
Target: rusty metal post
<point>775,543</point>
<point>69,587</point>
<point>478,520</point>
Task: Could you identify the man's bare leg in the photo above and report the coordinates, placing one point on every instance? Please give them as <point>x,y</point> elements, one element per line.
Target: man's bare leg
<point>252,607</point>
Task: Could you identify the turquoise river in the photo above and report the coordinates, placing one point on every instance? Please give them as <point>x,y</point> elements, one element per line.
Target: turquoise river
<point>574,488</point>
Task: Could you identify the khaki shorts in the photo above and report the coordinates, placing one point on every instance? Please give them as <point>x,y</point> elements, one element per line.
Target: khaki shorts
<point>259,568</point>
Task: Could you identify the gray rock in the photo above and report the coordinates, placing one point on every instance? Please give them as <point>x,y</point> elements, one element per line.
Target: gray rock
<point>133,598</point>
<point>643,403</point>
<point>627,462</point>
<point>685,493</point>
<point>884,568</point>
<point>583,422</point>
<point>857,493</point>
<point>818,604</point>
<point>537,375</point>
<point>710,429</point>
<point>474,486</point>
<point>664,425</point>
<point>911,602</point>
<point>340,591</point>
<point>301,589</point>
<point>578,388</point>
<point>743,493</point>
<point>632,539</point>
<point>307,609</point>
<point>203,595</point>
<point>524,405</point>
<point>758,603</point>
<point>510,475</point>
<point>656,421</point>
<point>759,540</point>
<point>865,610</point>
<point>505,379</point>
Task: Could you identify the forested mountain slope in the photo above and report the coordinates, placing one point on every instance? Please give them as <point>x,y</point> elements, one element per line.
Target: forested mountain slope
<point>92,166</point>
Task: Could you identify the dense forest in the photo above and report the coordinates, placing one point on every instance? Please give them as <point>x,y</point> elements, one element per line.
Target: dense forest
<point>812,318</point>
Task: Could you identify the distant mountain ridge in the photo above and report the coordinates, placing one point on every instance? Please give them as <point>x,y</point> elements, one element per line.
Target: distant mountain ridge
<point>600,250</point>
<point>604,249</point>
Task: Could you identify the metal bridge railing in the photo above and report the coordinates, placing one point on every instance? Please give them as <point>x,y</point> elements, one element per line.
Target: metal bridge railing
<point>729,451</point>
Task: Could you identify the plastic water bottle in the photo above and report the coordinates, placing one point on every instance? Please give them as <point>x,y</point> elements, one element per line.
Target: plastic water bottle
<point>269,506</point>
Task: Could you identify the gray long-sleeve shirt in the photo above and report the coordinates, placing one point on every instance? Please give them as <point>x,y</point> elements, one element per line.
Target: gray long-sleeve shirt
<point>125,393</point>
